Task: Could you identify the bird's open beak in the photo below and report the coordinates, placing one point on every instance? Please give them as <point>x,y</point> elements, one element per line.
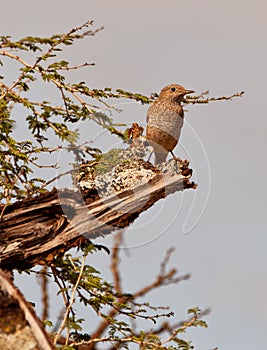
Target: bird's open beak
<point>187,92</point>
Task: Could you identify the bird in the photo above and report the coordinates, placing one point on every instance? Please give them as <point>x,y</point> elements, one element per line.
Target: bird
<point>165,118</point>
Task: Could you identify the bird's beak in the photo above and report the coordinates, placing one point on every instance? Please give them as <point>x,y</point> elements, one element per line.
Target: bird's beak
<point>187,92</point>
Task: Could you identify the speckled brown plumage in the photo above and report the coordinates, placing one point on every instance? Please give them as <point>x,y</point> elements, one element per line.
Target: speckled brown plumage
<point>165,118</point>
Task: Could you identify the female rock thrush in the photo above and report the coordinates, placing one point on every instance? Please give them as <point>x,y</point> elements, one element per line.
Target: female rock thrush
<point>165,118</point>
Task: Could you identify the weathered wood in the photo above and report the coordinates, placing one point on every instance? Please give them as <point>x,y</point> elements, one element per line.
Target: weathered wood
<point>33,231</point>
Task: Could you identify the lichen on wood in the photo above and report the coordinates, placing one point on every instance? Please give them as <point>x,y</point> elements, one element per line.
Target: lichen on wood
<point>36,229</point>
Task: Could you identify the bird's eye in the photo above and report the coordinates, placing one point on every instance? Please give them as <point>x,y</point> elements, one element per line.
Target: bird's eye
<point>172,89</point>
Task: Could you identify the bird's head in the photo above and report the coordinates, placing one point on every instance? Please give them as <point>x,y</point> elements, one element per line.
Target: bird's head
<point>174,92</point>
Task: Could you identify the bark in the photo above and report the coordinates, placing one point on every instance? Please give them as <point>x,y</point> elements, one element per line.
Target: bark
<point>34,231</point>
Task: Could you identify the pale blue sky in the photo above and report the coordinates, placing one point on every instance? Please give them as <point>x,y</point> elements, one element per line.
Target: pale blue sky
<point>205,45</point>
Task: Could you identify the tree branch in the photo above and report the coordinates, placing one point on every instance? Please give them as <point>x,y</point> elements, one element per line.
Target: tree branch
<point>34,231</point>
<point>37,336</point>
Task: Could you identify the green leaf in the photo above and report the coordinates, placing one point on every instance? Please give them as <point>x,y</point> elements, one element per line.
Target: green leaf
<point>48,323</point>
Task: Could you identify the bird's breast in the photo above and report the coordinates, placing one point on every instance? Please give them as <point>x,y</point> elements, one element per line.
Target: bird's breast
<point>168,121</point>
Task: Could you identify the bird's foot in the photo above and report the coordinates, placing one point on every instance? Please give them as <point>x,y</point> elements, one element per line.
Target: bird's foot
<point>177,159</point>
<point>182,166</point>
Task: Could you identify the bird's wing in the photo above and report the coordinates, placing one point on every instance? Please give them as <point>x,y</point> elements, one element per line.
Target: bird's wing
<point>147,115</point>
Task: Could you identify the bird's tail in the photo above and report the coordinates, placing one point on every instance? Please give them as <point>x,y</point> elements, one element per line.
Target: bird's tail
<point>160,157</point>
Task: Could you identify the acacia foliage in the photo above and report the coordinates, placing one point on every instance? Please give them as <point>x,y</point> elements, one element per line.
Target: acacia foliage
<point>79,102</point>
<point>38,64</point>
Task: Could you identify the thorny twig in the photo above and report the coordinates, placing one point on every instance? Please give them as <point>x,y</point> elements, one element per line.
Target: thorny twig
<point>200,98</point>
<point>72,299</point>
<point>163,278</point>
<point>43,280</point>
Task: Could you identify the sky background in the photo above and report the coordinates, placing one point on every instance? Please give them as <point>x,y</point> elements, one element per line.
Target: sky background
<point>202,45</point>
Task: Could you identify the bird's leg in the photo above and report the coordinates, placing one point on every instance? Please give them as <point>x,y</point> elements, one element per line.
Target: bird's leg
<point>150,156</point>
<point>183,166</point>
